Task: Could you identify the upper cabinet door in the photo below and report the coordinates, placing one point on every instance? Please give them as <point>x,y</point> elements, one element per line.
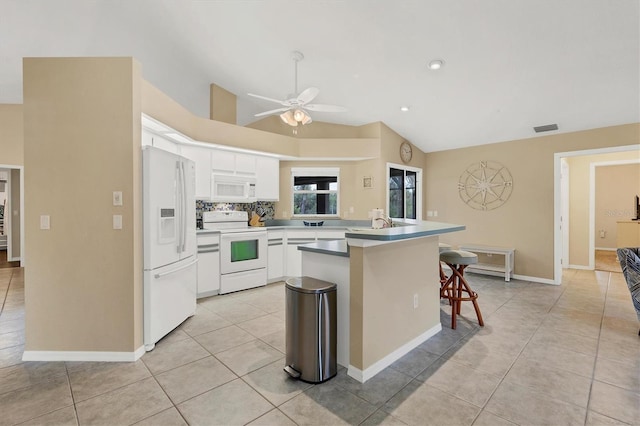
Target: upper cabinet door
<point>267,179</point>
<point>202,158</point>
<point>223,161</point>
<point>245,164</point>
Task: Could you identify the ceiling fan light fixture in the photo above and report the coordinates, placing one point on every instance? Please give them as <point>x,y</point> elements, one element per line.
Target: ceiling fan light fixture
<point>299,115</point>
<point>306,119</point>
<point>287,118</point>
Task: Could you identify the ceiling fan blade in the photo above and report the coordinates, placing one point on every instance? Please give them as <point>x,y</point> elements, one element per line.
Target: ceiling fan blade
<point>273,111</point>
<point>325,108</point>
<point>307,95</point>
<point>267,99</point>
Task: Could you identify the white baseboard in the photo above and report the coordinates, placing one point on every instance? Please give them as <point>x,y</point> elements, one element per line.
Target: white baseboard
<point>580,267</point>
<point>83,356</point>
<point>378,366</point>
<point>534,279</point>
<point>606,249</point>
<point>515,276</point>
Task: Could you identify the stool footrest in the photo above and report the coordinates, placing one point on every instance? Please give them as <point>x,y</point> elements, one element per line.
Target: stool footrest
<point>452,290</point>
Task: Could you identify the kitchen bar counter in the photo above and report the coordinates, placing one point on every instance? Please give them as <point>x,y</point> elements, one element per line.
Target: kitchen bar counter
<point>332,248</point>
<point>422,229</point>
<point>388,291</point>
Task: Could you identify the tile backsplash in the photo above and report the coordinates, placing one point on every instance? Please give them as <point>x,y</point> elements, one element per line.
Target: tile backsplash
<point>206,206</point>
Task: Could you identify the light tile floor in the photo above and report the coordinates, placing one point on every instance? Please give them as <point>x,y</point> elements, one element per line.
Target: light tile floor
<point>553,355</point>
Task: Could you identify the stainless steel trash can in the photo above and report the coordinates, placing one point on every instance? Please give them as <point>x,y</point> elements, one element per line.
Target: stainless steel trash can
<point>310,329</point>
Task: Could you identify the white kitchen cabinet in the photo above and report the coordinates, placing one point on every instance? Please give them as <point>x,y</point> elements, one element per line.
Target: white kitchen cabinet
<point>245,164</point>
<point>267,178</point>
<point>223,161</point>
<point>208,264</point>
<point>295,237</point>
<point>275,264</point>
<point>202,158</point>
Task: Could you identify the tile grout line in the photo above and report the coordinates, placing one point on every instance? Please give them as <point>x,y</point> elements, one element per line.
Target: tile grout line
<point>595,361</point>
<point>6,292</point>
<point>73,399</point>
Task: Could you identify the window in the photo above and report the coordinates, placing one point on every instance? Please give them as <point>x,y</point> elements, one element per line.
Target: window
<point>315,191</point>
<point>404,201</point>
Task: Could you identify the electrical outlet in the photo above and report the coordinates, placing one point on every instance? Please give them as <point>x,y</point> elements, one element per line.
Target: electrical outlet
<point>415,301</point>
<point>435,213</point>
<point>351,209</point>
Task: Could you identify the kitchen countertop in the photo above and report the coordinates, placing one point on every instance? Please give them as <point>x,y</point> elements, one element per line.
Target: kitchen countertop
<point>206,231</point>
<point>422,229</point>
<point>332,247</point>
<point>361,229</point>
<point>328,223</point>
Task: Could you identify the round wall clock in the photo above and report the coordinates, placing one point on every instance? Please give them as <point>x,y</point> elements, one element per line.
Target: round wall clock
<point>485,185</point>
<point>406,152</point>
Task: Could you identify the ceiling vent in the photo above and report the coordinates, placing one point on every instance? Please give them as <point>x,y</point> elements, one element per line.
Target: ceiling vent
<point>546,128</point>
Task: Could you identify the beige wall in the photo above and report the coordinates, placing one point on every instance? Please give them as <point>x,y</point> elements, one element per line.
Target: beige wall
<point>382,149</point>
<point>526,220</point>
<point>11,135</point>
<point>222,104</point>
<point>616,187</point>
<point>318,129</point>
<point>83,280</point>
<point>383,282</point>
<point>579,210</point>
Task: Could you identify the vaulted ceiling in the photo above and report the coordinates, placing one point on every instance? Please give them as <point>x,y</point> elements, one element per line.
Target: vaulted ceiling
<point>508,65</point>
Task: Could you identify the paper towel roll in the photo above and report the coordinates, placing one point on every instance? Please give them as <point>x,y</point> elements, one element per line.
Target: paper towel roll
<point>375,215</point>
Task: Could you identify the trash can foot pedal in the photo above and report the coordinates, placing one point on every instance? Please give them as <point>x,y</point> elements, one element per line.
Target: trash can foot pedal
<point>292,372</point>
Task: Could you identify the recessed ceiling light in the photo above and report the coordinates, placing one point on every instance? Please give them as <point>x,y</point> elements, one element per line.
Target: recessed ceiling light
<point>436,64</point>
<point>404,108</point>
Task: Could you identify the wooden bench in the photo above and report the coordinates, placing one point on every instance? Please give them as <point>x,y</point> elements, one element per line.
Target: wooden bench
<point>489,268</point>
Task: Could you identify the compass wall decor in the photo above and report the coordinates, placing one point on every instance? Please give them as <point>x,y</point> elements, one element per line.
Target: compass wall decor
<point>485,185</point>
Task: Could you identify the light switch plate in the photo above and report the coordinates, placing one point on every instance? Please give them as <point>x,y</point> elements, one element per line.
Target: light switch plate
<point>117,221</point>
<point>117,198</point>
<point>45,222</point>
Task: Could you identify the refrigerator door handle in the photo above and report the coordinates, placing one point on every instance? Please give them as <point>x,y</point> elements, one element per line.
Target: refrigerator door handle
<point>184,206</point>
<point>179,206</point>
<point>173,271</point>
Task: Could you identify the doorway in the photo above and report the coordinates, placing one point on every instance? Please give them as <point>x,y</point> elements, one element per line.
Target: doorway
<point>11,216</point>
<point>561,239</point>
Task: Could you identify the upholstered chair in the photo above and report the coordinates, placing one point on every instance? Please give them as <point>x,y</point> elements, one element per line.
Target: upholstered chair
<point>630,262</point>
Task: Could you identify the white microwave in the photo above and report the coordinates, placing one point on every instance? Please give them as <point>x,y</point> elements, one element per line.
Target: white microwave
<point>231,188</point>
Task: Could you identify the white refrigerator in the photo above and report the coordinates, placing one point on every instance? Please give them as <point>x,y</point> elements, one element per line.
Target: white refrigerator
<point>170,247</point>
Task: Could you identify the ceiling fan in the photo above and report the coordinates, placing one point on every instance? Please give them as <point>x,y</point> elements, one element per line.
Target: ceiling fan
<point>294,108</point>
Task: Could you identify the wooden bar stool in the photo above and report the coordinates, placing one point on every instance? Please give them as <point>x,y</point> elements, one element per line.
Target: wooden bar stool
<point>443,277</point>
<point>456,284</point>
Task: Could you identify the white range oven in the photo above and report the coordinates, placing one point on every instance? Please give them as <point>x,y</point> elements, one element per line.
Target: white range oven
<point>243,250</point>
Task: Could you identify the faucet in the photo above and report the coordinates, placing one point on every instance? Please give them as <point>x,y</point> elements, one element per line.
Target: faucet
<point>388,223</point>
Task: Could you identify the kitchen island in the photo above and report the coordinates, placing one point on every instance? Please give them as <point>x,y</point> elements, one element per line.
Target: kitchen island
<point>388,291</point>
